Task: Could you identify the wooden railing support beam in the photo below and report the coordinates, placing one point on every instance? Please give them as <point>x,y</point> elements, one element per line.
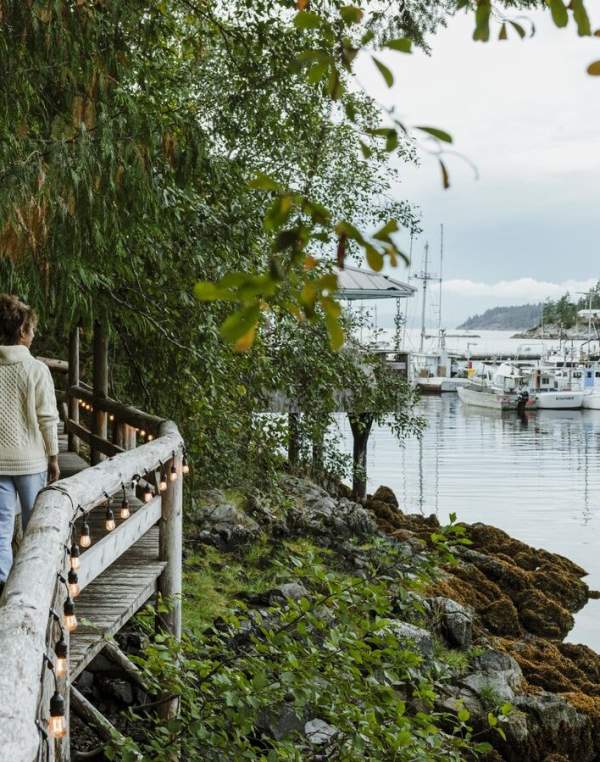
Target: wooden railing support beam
<point>100,423</point>
<point>73,381</point>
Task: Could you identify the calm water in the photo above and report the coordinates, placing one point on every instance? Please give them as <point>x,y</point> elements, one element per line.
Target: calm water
<point>538,478</point>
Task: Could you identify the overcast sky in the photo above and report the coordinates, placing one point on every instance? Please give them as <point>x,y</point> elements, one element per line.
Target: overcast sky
<point>527,114</point>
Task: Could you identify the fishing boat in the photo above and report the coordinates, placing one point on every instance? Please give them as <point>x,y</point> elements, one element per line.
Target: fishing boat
<point>504,388</point>
<point>551,391</point>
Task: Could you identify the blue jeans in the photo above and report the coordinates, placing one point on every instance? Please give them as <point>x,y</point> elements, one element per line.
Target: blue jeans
<point>26,488</point>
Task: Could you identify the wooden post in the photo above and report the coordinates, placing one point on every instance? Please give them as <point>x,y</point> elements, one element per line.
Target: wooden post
<point>100,418</point>
<point>73,381</point>
<point>361,424</point>
<point>170,551</point>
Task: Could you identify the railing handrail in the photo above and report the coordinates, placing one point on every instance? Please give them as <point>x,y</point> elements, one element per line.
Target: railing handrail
<point>31,586</point>
<point>125,413</point>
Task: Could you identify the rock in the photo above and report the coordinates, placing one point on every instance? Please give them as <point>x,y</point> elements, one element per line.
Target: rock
<point>293,590</point>
<point>455,622</point>
<point>225,526</point>
<point>501,617</point>
<point>319,732</point>
<point>85,681</point>
<point>281,723</point>
<point>495,674</point>
<point>410,635</point>
<point>542,615</point>
<point>123,691</point>
<point>386,495</point>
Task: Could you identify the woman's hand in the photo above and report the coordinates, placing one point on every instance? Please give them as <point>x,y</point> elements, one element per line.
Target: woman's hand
<point>53,469</point>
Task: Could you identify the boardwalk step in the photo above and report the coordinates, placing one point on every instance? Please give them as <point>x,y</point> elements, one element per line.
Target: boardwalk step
<point>113,598</point>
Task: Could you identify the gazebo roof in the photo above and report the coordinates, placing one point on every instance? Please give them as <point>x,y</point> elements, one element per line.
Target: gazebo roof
<point>355,283</point>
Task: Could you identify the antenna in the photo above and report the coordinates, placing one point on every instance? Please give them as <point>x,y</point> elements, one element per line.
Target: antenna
<point>441,277</point>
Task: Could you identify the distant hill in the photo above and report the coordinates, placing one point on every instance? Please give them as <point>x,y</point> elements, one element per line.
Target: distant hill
<point>513,318</point>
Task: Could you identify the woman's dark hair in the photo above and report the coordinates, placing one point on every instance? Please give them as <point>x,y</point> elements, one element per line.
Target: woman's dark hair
<point>15,318</point>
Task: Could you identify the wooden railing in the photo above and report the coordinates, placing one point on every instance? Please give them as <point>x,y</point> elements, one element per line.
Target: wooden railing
<point>32,614</point>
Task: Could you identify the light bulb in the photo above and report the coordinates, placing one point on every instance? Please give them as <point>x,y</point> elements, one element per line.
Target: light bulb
<point>148,494</point>
<point>173,473</point>
<point>163,482</point>
<point>185,467</point>
<point>73,582</point>
<point>150,437</point>
<point>61,663</point>
<point>111,418</point>
<point>110,520</point>
<point>74,555</point>
<point>142,433</point>
<point>85,539</point>
<point>125,512</point>
<point>70,620</point>
<point>57,725</point>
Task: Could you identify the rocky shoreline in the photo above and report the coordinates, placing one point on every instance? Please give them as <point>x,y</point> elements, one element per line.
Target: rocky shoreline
<point>491,617</point>
<point>554,332</point>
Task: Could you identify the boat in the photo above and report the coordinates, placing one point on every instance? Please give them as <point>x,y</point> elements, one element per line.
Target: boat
<point>440,384</point>
<point>503,388</point>
<point>552,390</point>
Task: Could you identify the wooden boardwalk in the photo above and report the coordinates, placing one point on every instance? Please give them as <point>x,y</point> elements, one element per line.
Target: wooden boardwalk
<point>131,558</point>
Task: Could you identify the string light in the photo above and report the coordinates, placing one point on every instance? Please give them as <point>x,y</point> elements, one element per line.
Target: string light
<point>62,652</point>
<point>185,466</point>
<point>110,519</point>
<point>125,512</point>
<point>173,470</point>
<point>74,556</point>
<point>73,584</point>
<point>57,724</point>
<point>70,620</point>
<point>150,437</point>
<point>85,538</point>
<point>148,493</point>
<point>162,485</point>
<point>111,418</point>
<point>142,433</point>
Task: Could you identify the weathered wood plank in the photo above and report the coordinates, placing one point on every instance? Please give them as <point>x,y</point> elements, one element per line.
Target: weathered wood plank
<point>102,445</point>
<point>29,591</point>
<point>125,413</point>
<point>103,728</point>
<point>104,552</point>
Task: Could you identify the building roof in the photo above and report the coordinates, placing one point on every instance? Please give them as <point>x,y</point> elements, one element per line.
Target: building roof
<point>355,283</point>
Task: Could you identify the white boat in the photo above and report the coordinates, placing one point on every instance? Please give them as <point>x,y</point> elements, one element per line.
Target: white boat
<point>502,388</point>
<point>482,395</point>
<point>591,401</point>
<point>555,390</point>
<point>561,400</point>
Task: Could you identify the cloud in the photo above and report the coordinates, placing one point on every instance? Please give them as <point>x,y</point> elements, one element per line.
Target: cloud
<point>518,291</point>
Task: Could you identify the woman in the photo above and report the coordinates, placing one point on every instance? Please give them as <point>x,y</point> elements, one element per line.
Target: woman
<point>28,422</point>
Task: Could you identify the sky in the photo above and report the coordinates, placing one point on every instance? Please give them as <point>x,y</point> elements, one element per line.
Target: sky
<point>526,113</point>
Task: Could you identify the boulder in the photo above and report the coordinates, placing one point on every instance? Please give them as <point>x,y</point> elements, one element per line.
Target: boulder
<point>501,618</point>
<point>280,723</point>
<point>409,635</point>
<point>495,675</point>
<point>319,732</point>
<point>386,495</point>
<point>454,621</point>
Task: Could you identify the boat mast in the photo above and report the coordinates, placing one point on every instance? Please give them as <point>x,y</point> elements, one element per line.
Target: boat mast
<point>441,277</point>
<point>424,278</point>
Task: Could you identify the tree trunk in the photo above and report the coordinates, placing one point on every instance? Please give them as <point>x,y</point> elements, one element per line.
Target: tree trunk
<point>293,439</point>
<point>361,424</point>
<point>318,446</point>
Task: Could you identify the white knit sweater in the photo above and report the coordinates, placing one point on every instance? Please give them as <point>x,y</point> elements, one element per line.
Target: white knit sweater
<point>28,414</point>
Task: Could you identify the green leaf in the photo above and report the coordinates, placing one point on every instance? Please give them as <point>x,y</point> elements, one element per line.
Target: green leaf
<point>374,258</point>
<point>391,141</point>
<point>445,175</point>
<point>351,14</point>
<point>335,86</point>
<point>384,71</point>
<point>518,29</point>
<point>317,73</point>
<point>463,714</point>
<point>482,21</point>
<point>264,182</point>
<point>594,69</point>
<point>559,12</point>
<point>279,211</point>
<point>436,133</point>
<point>239,323</point>
<point>206,291</point>
<point>307,20</point>
<point>584,28</point>
<point>334,330</point>
<point>503,35</point>
<point>401,44</point>
<point>384,233</point>
<point>492,720</point>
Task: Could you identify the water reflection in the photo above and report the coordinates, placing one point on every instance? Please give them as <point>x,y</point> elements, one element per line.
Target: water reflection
<point>537,477</point>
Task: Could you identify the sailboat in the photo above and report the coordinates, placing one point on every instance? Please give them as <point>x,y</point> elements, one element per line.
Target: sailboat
<point>504,388</point>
